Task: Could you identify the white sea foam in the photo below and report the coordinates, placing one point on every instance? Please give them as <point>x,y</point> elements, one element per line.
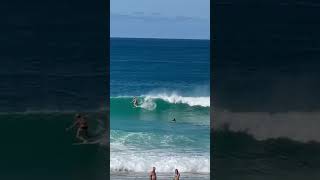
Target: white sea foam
<point>175,99</point>
<point>143,161</point>
<point>138,152</point>
<point>148,140</point>
<point>148,103</point>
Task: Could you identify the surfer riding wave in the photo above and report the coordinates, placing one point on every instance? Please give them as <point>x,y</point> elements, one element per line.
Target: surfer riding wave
<point>82,131</point>
<point>135,101</point>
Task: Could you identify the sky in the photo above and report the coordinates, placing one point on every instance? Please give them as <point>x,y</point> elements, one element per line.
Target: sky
<point>173,19</point>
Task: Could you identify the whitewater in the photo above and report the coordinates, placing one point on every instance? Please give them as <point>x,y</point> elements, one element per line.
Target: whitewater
<point>146,135</point>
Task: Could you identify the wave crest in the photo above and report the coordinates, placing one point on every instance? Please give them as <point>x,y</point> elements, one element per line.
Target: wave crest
<point>148,102</point>
<point>177,99</point>
<point>299,126</point>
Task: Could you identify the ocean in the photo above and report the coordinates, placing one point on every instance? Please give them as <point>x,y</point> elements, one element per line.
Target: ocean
<point>171,79</point>
<point>40,105</point>
<point>53,65</point>
<point>266,90</point>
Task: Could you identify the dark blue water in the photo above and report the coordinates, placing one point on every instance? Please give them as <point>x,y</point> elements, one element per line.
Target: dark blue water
<point>171,79</point>
<point>139,66</point>
<point>53,65</point>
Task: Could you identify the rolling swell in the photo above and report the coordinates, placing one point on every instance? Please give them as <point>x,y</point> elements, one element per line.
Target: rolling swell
<point>298,126</point>
<point>145,136</point>
<point>239,152</point>
<point>37,145</point>
<point>184,109</point>
<point>264,145</point>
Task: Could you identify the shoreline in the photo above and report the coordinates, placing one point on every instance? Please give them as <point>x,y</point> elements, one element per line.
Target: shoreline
<point>160,175</point>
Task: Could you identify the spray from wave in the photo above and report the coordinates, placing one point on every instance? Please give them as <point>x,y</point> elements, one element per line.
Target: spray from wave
<point>148,101</point>
<point>160,109</point>
<point>145,136</point>
<point>177,99</point>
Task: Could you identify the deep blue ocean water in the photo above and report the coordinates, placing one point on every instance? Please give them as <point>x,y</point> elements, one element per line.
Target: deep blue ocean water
<point>171,79</point>
<point>53,65</point>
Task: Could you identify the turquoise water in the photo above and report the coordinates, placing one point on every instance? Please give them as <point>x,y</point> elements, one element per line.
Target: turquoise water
<point>171,80</point>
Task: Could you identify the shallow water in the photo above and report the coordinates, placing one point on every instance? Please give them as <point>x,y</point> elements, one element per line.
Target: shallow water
<point>160,176</point>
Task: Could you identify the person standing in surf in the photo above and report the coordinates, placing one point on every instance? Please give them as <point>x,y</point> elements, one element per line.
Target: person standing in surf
<point>153,175</point>
<point>176,175</point>
<point>82,131</point>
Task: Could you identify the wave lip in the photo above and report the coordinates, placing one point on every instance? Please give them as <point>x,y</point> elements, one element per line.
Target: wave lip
<point>175,99</point>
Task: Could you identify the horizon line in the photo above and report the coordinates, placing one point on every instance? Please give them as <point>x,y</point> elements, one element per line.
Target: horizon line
<point>117,37</point>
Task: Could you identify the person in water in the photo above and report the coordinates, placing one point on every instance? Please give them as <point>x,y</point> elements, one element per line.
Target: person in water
<point>174,119</point>
<point>82,131</point>
<point>135,102</point>
<point>153,175</point>
<point>176,175</point>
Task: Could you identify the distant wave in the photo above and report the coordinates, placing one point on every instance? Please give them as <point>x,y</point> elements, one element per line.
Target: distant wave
<point>176,99</point>
<point>160,108</point>
<point>241,151</point>
<point>146,100</point>
<point>299,126</point>
<point>57,111</point>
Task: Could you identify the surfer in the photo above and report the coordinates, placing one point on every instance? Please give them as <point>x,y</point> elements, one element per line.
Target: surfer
<point>176,175</point>
<point>135,102</point>
<point>153,175</point>
<point>82,131</point>
<point>174,119</point>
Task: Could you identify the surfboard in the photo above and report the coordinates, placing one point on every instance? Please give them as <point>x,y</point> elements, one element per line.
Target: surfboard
<point>87,143</point>
<point>84,143</point>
